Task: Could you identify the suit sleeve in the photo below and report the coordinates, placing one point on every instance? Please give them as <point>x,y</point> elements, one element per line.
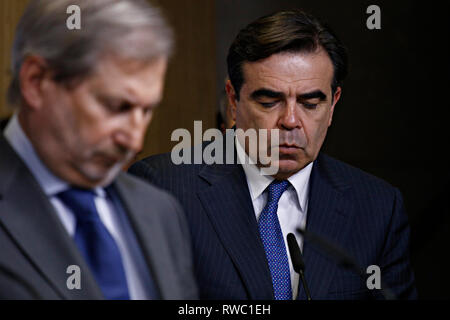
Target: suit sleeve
<point>186,268</point>
<point>395,266</point>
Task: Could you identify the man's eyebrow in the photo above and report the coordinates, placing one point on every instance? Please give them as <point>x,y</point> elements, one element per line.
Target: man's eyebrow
<point>153,105</point>
<point>112,97</point>
<point>312,95</point>
<point>266,93</point>
<point>280,95</point>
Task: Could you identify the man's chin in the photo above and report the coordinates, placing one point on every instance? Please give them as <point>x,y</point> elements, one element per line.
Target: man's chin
<point>94,176</point>
<point>286,168</point>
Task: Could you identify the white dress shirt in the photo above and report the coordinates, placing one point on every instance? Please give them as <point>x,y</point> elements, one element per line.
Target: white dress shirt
<point>52,185</point>
<point>292,206</point>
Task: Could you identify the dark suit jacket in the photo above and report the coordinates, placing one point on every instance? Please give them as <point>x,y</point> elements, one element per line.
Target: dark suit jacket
<point>355,210</point>
<point>36,249</point>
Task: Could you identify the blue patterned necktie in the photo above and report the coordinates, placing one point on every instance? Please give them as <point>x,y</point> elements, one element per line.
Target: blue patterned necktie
<point>272,238</point>
<point>96,244</point>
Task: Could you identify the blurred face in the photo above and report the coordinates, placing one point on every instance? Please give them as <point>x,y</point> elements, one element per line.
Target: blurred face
<point>87,133</point>
<point>290,92</point>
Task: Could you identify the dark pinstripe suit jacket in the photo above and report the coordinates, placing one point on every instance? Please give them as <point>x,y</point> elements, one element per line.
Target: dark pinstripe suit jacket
<point>353,209</point>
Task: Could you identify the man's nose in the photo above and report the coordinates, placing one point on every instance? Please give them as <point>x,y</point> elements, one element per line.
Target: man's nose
<point>131,135</point>
<point>290,118</point>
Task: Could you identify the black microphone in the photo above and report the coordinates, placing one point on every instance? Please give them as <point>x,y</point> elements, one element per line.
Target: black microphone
<point>297,261</point>
<point>343,259</point>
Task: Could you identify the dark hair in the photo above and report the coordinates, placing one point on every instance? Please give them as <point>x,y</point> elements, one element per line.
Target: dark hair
<point>284,31</point>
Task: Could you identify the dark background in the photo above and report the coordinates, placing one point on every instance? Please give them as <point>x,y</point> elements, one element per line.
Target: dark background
<point>392,120</point>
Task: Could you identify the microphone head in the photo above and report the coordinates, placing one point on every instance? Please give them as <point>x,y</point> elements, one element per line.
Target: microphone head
<point>296,255</point>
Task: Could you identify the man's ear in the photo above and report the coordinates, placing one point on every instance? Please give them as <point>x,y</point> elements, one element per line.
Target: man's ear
<point>231,93</point>
<point>33,74</point>
<point>336,97</point>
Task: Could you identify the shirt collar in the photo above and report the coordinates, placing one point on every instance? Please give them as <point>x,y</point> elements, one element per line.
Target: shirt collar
<point>300,181</point>
<point>17,138</point>
<point>258,183</point>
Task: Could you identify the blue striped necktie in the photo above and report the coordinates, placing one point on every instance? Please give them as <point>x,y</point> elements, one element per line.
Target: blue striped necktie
<point>272,238</point>
<point>96,244</point>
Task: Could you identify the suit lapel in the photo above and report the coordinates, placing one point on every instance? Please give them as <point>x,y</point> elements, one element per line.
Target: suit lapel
<point>228,204</point>
<point>329,216</point>
<point>150,236</point>
<point>30,219</point>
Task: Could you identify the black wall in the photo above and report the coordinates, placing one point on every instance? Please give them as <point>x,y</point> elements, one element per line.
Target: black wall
<point>393,118</point>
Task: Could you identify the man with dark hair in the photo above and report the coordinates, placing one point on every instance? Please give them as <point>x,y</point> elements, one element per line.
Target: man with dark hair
<point>72,224</point>
<point>286,72</point>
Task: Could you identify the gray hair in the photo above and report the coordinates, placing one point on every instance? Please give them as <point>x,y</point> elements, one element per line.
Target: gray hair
<point>130,29</point>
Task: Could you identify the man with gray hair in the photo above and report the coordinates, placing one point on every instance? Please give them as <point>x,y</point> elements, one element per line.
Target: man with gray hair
<point>72,224</point>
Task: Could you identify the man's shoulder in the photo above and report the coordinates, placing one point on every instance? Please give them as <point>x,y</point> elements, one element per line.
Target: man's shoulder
<point>163,165</point>
<point>141,189</point>
<point>161,169</point>
<point>357,178</point>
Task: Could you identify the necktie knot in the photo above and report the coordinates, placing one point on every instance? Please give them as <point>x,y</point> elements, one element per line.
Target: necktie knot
<point>276,189</point>
<point>82,203</point>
